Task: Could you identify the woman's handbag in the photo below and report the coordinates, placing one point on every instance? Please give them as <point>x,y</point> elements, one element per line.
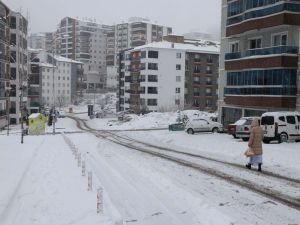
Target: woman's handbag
<point>249,152</point>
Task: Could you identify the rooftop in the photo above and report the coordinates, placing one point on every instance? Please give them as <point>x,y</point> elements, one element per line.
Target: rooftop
<point>203,47</point>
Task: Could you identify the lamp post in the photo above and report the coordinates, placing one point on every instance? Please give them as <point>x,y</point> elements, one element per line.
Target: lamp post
<point>8,109</point>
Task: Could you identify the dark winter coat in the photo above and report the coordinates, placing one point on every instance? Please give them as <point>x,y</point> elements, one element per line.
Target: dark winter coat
<point>256,137</point>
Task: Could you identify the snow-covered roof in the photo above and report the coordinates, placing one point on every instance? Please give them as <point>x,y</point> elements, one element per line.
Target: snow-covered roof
<point>46,65</point>
<point>63,59</point>
<point>34,115</point>
<point>201,47</point>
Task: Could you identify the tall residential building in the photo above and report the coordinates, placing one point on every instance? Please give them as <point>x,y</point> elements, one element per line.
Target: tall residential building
<point>84,41</point>
<point>4,64</point>
<point>165,76</point>
<point>259,58</point>
<point>136,32</point>
<point>18,67</point>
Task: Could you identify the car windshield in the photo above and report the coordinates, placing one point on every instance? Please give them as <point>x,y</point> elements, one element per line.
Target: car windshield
<point>240,122</point>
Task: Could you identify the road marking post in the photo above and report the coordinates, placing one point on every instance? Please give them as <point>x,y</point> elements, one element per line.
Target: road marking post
<point>83,168</point>
<point>99,200</point>
<point>90,181</point>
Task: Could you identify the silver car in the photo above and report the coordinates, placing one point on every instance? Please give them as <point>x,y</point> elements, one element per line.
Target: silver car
<point>202,125</point>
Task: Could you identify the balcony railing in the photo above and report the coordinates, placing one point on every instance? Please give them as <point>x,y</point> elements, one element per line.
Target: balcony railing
<point>263,51</point>
<point>291,7</point>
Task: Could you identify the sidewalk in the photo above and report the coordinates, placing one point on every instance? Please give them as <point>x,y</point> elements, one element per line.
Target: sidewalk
<point>41,184</point>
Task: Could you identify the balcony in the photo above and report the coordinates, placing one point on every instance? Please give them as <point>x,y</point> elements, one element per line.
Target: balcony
<point>267,11</point>
<point>196,93</point>
<point>263,51</point>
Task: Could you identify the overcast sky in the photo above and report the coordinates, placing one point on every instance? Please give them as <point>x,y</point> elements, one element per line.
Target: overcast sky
<point>184,16</point>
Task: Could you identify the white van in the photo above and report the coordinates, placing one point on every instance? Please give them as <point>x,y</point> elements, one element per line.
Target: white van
<point>281,126</point>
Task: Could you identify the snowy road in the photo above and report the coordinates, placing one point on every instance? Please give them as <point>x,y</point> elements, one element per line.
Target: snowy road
<point>45,185</point>
<point>265,201</point>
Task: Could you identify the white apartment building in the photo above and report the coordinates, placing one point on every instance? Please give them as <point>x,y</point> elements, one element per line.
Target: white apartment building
<point>153,77</point>
<point>58,80</point>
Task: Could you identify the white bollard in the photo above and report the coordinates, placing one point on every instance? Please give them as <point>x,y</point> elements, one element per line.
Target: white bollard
<point>90,181</point>
<point>83,168</point>
<point>79,160</point>
<point>99,200</point>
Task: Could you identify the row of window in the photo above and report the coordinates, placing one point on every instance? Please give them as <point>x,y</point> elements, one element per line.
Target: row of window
<point>58,91</point>
<point>58,85</point>
<point>293,7</point>
<point>49,77</point>
<point>240,6</point>
<point>285,77</point>
<point>280,39</point>
<point>261,91</point>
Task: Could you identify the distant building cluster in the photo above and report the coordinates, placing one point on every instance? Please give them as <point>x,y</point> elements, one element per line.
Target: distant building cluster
<point>253,70</point>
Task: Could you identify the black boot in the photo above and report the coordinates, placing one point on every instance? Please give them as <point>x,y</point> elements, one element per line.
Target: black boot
<point>248,166</point>
<point>259,167</point>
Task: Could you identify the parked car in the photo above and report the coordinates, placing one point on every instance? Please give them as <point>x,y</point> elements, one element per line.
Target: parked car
<point>231,129</point>
<point>61,114</point>
<point>281,126</point>
<point>243,127</point>
<point>202,125</point>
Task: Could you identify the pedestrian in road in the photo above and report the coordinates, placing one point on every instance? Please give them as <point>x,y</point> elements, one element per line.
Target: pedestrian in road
<point>255,144</point>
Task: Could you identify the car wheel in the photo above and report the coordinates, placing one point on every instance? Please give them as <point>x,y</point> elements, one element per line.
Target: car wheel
<point>245,139</point>
<point>215,130</point>
<point>266,141</point>
<point>283,138</point>
<point>190,131</point>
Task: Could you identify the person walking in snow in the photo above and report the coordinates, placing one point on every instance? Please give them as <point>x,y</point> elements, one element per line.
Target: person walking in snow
<point>255,143</point>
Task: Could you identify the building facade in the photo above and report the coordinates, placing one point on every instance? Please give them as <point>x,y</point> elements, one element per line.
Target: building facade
<point>84,41</point>
<point>259,58</point>
<point>18,67</point>
<point>4,64</point>
<point>161,76</point>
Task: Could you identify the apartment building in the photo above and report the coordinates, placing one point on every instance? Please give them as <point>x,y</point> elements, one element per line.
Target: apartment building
<point>136,32</point>
<point>18,67</point>
<point>4,64</point>
<point>166,76</point>
<point>84,41</point>
<point>259,58</point>
<point>59,78</point>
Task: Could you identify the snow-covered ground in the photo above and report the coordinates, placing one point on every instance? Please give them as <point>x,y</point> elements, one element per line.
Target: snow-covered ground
<point>41,182</point>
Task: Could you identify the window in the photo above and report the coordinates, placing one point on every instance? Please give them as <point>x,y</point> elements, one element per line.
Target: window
<point>152,90</point>
<point>208,91</point>
<point>152,102</point>
<point>178,55</point>
<point>153,54</point>
<point>58,77</point>
<point>279,39</point>
<point>291,119</point>
<point>152,66</point>
<point>177,90</point>
<point>298,117</point>
<point>208,69</point>
<point>267,120</point>
<point>178,67</point>
<point>255,43</point>
<point>178,78</point>
<point>197,69</point>
<point>208,80</point>
<point>282,118</point>
<point>234,47</point>
<point>152,78</point>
